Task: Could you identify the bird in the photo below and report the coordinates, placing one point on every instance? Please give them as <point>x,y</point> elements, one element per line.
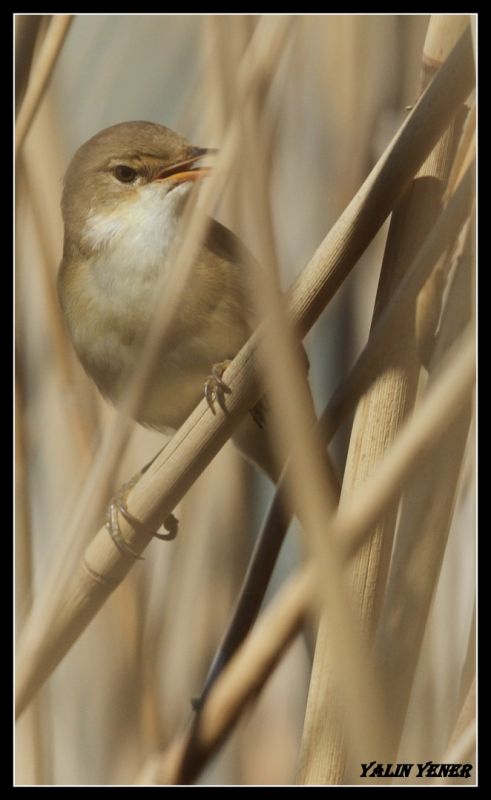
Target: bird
<point>124,194</point>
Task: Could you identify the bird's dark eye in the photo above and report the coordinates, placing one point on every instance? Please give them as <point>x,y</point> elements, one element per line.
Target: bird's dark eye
<point>125,174</point>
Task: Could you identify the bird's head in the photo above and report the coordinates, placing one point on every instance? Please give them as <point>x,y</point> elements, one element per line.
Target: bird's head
<point>129,175</point>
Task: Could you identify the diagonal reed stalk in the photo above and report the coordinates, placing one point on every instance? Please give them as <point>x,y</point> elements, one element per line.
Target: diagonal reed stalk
<point>47,639</point>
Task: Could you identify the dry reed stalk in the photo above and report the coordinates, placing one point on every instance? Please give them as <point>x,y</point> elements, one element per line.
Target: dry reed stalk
<point>45,641</point>
<point>250,667</point>
<point>312,483</point>
<point>377,421</point>
<point>218,107</point>
<point>40,75</point>
<point>228,40</point>
<point>473,27</point>
<point>421,442</point>
<point>423,528</point>
<point>442,33</point>
<point>223,46</point>
<point>23,539</point>
<point>350,47</point>
<point>466,150</point>
<point>26,33</point>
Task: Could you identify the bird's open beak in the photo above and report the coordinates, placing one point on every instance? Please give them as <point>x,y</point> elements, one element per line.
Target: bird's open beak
<point>186,170</point>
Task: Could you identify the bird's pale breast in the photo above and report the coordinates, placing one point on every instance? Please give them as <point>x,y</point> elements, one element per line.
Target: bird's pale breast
<point>108,320</point>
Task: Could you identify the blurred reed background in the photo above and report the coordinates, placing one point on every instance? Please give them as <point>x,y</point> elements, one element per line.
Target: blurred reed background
<point>332,99</point>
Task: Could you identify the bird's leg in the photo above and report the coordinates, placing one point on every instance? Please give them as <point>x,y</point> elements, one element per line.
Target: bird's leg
<point>118,504</point>
<point>215,386</point>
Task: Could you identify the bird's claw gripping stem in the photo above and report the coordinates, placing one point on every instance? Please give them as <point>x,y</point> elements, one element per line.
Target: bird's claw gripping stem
<point>215,386</point>
<point>118,505</point>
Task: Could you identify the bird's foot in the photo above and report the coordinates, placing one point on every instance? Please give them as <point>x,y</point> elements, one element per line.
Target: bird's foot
<point>118,505</point>
<point>215,386</point>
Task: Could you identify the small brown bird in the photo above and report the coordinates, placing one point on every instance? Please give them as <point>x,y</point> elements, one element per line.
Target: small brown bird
<point>124,193</point>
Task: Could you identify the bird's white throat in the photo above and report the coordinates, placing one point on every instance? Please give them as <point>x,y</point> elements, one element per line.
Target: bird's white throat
<point>131,242</point>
